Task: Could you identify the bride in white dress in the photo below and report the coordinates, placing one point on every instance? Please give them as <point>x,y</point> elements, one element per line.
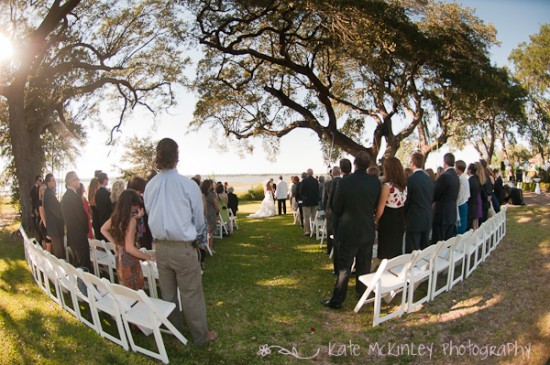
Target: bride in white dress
<point>267,208</point>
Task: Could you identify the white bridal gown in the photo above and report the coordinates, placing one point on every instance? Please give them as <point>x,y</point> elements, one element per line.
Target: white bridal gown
<point>267,208</point>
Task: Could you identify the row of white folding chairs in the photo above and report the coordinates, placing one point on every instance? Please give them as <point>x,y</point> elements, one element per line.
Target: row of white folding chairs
<point>126,306</point>
<point>404,273</point>
<point>223,227</point>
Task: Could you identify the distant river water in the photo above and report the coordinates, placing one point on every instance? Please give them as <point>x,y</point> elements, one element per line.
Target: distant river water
<point>240,182</point>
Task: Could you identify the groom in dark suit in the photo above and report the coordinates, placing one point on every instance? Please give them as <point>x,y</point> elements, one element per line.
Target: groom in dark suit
<point>354,203</point>
<point>418,206</point>
<point>445,196</point>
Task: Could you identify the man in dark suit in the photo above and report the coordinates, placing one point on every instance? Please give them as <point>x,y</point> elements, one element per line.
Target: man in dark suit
<point>309,195</point>
<point>76,220</point>
<point>498,188</point>
<point>354,204</point>
<point>103,202</point>
<point>446,191</point>
<point>299,199</point>
<point>345,170</point>
<point>418,206</point>
<point>35,204</point>
<point>55,224</point>
<point>328,208</point>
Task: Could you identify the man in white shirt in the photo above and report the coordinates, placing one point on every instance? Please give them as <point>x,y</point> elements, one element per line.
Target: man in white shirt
<point>281,194</point>
<point>176,215</point>
<point>463,196</point>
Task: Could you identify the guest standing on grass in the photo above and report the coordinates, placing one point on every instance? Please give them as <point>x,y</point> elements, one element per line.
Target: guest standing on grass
<point>390,213</point>
<point>474,201</point>
<point>55,223</point>
<point>76,220</point>
<point>418,207</point>
<point>446,190</point>
<point>176,216</point>
<point>354,205</point>
<point>222,206</point>
<point>144,239</point>
<point>232,201</point>
<point>92,189</point>
<point>211,212</point>
<point>103,202</point>
<point>46,241</point>
<point>121,229</point>
<point>327,193</point>
<point>82,192</point>
<point>281,194</point>
<point>463,196</point>
<point>309,195</point>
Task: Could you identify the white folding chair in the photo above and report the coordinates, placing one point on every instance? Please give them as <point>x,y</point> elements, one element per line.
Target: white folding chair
<point>459,250</point>
<point>233,219</point>
<point>296,216</point>
<point>35,263</point>
<point>102,257</point>
<point>386,285</point>
<point>473,256</point>
<point>317,221</point>
<point>442,265</point>
<point>221,227</point>
<point>51,280</point>
<point>65,285</point>
<point>78,283</point>
<point>150,273</point>
<point>102,300</point>
<point>322,231</point>
<point>26,242</point>
<point>503,210</point>
<point>147,313</point>
<point>421,269</point>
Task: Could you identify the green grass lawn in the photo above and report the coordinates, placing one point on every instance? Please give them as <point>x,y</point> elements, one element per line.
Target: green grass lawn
<point>264,285</point>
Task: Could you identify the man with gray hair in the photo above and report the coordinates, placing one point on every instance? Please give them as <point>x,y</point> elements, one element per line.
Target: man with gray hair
<point>309,194</point>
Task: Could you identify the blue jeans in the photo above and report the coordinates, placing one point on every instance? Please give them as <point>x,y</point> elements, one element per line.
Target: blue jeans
<point>463,213</point>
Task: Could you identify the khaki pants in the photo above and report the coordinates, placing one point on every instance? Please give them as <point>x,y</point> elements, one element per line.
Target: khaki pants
<point>179,267</point>
<point>309,214</point>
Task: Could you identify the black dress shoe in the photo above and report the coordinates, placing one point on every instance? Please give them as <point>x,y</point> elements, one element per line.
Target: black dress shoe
<point>327,303</point>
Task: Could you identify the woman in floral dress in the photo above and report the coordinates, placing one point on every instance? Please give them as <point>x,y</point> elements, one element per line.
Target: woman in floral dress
<point>121,230</point>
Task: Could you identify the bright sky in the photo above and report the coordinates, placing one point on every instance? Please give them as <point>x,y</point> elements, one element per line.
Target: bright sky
<point>515,20</point>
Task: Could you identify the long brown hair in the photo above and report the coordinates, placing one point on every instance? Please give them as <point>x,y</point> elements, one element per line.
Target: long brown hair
<point>92,189</point>
<point>120,219</point>
<point>394,173</point>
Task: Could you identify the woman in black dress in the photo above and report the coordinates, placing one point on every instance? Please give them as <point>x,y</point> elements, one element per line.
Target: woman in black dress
<point>390,216</point>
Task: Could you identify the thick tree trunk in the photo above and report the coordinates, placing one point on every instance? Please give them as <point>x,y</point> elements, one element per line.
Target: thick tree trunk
<point>27,153</point>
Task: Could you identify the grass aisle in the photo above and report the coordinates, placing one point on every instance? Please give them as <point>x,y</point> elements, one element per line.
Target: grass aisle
<point>264,285</point>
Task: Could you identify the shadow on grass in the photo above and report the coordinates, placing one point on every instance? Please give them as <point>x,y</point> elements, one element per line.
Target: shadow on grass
<point>264,284</point>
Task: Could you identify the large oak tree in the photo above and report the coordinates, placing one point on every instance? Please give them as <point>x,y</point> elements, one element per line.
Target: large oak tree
<point>73,54</point>
<point>357,73</point>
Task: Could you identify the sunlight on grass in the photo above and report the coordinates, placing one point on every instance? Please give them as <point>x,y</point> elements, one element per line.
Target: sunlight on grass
<point>279,282</point>
<point>544,325</point>
<point>246,245</point>
<point>285,319</point>
<point>307,248</point>
<point>462,309</point>
<point>524,219</point>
